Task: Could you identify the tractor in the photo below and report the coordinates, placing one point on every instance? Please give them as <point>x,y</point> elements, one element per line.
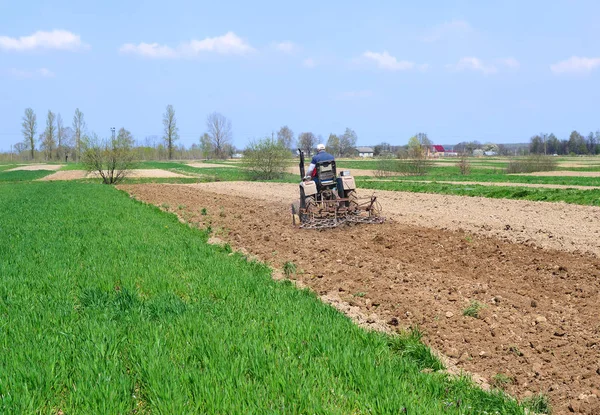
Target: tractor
<point>329,200</point>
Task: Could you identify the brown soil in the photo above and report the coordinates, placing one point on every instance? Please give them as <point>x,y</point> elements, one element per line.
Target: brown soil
<point>504,184</point>
<point>139,173</point>
<point>539,324</point>
<point>65,175</point>
<point>550,225</point>
<point>38,167</point>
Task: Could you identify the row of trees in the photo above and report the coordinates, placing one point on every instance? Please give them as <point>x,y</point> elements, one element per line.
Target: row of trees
<point>59,142</point>
<point>575,144</point>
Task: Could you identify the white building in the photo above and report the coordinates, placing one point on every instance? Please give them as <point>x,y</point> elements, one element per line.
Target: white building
<point>365,151</point>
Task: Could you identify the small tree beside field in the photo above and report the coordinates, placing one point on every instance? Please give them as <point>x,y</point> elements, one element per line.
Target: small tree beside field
<point>266,159</point>
<point>109,159</point>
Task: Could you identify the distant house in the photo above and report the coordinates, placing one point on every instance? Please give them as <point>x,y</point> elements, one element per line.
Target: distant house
<point>237,156</point>
<point>365,151</point>
<point>436,150</point>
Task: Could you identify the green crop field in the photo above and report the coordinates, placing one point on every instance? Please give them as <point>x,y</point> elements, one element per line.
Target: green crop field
<point>23,175</point>
<point>110,306</point>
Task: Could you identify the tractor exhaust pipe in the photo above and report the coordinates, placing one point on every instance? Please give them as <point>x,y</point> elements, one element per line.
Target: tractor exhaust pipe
<point>301,153</point>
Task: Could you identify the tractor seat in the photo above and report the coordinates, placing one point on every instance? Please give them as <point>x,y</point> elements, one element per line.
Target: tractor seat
<point>326,172</point>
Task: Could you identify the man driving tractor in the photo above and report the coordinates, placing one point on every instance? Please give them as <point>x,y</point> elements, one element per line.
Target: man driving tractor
<point>321,156</point>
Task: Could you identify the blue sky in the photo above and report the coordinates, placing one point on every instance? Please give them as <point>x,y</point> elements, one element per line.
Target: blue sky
<point>458,70</point>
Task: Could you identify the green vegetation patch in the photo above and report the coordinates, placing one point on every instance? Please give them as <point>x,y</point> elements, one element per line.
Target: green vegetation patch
<point>23,175</point>
<point>108,305</point>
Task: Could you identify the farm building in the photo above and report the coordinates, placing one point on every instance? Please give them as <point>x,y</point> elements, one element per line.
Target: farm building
<point>436,150</point>
<point>365,151</point>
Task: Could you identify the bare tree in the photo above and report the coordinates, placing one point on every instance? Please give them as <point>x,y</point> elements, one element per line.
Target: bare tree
<point>333,145</point>
<point>125,136</point>
<point>206,147</point>
<point>285,136</point>
<point>78,127</point>
<point>48,143</point>
<point>29,129</point>
<point>219,131</point>
<point>60,132</point>
<point>171,130</point>
<point>307,142</point>
<point>347,142</point>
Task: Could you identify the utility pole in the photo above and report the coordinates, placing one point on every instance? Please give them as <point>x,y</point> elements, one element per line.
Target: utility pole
<point>11,152</point>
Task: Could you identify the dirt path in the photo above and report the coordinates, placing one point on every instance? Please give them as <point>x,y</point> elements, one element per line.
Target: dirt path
<point>208,165</point>
<point>551,225</point>
<point>38,167</point>
<point>82,174</point>
<point>501,184</point>
<point>539,325</point>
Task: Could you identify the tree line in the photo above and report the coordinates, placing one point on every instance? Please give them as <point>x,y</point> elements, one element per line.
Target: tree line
<point>576,144</point>
<point>60,142</point>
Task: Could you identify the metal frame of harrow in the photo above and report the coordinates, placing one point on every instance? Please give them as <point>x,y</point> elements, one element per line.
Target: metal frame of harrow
<point>329,213</point>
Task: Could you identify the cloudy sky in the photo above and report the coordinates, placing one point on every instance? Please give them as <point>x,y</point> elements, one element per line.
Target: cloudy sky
<point>496,71</point>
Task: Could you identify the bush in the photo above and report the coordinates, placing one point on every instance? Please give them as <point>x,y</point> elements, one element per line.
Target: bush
<point>406,166</point>
<point>109,159</point>
<point>266,159</point>
<point>532,164</point>
<point>464,165</point>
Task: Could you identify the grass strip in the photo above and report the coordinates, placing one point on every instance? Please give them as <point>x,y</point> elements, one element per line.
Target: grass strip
<point>23,175</point>
<point>108,305</point>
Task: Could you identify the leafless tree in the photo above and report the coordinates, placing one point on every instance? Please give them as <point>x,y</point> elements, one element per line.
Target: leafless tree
<point>60,133</point>
<point>171,130</point>
<point>78,128</point>
<point>206,146</point>
<point>285,136</point>
<point>49,137</point>
<point>219,131</point>
<point>348,142</point>
<point>29,129</point>
<point>307,142</point>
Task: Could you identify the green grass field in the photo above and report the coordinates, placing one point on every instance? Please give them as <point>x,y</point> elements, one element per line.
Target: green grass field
<point>23,175</point>
<point>109,306</point>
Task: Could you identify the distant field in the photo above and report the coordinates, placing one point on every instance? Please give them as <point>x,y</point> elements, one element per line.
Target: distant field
<point>112,306</point>
<point>22,175</point>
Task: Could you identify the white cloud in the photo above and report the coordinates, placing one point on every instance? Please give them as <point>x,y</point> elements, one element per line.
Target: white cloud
<point>510,63</point>
<point>309,63</point>
<point>575,65</point>
<point>473,64</point>
<point>228,44</point>
<point>285,47</point>
<point>56,39</point>
<point>454,27</point>
<point>149,50</point>
<point>29,74</point>
<point>386,61</point>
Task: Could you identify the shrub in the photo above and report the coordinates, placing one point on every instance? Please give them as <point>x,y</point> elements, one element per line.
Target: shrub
<point>109,159</point>
<point>266,159</point>
<point>464,165</point>
<point>532,164</point>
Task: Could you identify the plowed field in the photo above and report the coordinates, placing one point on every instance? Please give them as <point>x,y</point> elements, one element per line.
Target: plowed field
<point>532,266</point>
